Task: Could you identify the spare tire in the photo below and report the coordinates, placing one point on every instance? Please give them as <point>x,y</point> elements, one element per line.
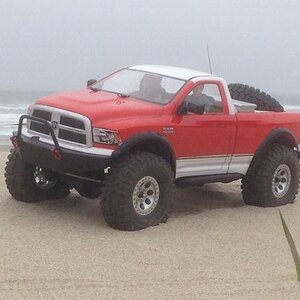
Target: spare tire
<point>250,94</point>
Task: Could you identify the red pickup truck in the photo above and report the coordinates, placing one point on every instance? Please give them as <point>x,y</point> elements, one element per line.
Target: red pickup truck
<point>130,137</point>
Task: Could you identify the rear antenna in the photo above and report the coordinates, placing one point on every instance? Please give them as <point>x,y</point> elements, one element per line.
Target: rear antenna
<point>208,55</point>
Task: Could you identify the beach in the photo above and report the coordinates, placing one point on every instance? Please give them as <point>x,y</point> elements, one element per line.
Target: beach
<point>212,247</point>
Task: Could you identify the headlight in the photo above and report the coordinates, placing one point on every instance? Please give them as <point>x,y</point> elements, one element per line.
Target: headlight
<point>105,136</point>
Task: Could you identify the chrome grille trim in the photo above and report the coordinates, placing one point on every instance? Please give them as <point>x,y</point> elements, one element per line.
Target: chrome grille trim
<point>56,114</point>
<point>72,129</point>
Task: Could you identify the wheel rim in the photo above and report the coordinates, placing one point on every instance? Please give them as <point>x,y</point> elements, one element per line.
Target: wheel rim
<point>281,181</point>
<point>41,178</point>
<point>145,195</point>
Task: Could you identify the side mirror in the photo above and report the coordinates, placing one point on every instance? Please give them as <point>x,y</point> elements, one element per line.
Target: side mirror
<point>90,82</point>
<point>185,107</point>
<point>182,109</point>
<point>196,108</point>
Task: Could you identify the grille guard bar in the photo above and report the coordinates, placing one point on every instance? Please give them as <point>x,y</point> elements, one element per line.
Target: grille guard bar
<point>46,123</point>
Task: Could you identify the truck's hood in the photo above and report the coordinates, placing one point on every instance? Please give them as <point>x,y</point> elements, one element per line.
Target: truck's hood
<point>102,106</point>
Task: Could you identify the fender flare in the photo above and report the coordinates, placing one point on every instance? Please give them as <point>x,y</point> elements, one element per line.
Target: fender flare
<point>279,135</point>
<point>145,138</point>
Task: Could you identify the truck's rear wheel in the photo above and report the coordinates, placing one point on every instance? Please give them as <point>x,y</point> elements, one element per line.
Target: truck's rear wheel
<point>276,179</point>
<point>137,192</point>
<point>250,94</point>
<point>29,183</point>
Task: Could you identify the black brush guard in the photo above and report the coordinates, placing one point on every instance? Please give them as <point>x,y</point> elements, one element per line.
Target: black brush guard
<point>54,157</point>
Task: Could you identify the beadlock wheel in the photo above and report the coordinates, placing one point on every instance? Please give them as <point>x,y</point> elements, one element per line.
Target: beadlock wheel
<point>42,180</point>
<point>281,181</point>
<point>145,195</point>
<point>29,183</point>
<point>250,94</point>
<point>274,181</point>
<point>137,191</point>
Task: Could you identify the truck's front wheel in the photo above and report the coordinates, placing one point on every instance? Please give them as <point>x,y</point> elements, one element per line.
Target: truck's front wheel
<point>29,183</point>
<point>137,192</point>
<point>275,181</point>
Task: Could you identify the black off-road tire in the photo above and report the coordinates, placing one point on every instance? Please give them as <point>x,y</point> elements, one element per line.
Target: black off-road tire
<point>20,182</point>
<point>118,191</point>
<point>250,94</point>
<point>258,187</point>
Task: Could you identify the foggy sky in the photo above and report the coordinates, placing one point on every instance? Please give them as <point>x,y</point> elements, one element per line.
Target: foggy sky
<point>59,44</point>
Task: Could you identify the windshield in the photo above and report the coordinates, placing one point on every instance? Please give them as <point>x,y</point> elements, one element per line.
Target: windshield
<point>142,85</point>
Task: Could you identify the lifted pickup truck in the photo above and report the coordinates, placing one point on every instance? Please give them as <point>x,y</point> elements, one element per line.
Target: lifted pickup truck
<point>131,137</point>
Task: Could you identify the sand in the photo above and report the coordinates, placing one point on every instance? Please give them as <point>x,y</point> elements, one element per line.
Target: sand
<point>212,247</point>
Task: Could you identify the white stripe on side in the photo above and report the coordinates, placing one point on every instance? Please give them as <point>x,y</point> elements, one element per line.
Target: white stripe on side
<point>212,165</point>
<point>201,166</point>
<point>240,164</point>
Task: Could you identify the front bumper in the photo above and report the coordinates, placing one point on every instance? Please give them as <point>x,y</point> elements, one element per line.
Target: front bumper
<point>36,152</point>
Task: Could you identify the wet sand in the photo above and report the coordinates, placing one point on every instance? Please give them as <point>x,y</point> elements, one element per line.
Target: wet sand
<point>212,247</point>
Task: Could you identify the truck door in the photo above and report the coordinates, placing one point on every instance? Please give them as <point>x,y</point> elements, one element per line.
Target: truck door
<point>205,142</point>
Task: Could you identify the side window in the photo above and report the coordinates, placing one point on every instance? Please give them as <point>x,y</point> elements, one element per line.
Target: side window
<point>208,95</point>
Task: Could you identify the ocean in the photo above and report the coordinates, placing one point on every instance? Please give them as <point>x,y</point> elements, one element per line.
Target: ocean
<point>12,105</point>
<point>15,103</point>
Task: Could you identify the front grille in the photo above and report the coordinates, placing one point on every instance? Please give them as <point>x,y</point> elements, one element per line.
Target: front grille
<point>67,126</point>
<point>67,121</point>
<point>72,136</point>
<point>46,115</point>
<point>39,127</point>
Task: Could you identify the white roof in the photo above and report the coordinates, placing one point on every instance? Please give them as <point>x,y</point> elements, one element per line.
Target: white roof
<point>177,72</point>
